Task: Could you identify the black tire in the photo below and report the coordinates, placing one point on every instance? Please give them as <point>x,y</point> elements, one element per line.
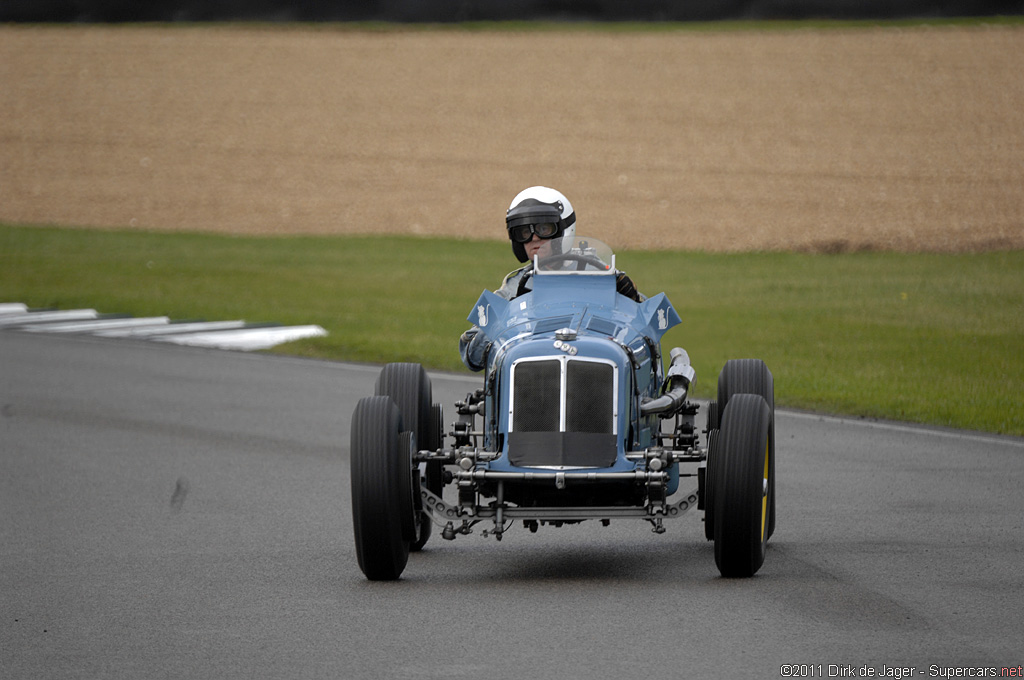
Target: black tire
<point>383,515</point>
<point>409,387</point>
<point>711,428</point>
<point>742,486</point>
<point>436,440</point>
<point>710,472</point>
<point>712,417</point>
<point>751,376</point>
<point>433,477</point>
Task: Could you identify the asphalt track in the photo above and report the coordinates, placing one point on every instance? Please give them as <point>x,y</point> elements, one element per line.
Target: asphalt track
<point>175,512</point>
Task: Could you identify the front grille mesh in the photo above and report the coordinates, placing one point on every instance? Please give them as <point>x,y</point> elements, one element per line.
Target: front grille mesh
<point>536,403</point>
<point>589,398</point>
<point>589,402</point>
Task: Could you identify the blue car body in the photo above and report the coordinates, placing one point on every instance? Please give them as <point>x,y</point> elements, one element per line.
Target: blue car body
<point>600,348</point>
<point>574,406</point>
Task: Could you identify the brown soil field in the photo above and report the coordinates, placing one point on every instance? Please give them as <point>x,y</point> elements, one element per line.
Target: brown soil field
<point>908,139</point>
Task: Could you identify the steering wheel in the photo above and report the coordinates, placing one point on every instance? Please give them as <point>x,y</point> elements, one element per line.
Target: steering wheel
<point>581,259</point>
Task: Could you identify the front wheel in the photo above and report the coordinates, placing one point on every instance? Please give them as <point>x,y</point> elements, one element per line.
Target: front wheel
<point>743,486</point>
<point>383,505</point>
<point>410,388</point>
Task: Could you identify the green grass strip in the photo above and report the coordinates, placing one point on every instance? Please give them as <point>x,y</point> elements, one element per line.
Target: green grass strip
<point>915,337</point>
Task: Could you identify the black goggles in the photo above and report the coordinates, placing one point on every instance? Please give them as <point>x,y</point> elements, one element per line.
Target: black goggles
<point>524,232</point>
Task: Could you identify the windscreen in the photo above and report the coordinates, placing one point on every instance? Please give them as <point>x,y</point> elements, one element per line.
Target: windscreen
<point>575,254</point>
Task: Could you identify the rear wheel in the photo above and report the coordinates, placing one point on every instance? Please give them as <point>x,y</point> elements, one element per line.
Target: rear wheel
<point>383,515</point>
<point>710,472</point>
<point>751,376</point>
<point>409,387</point>
<point>712,417</point>
<point>743,486</point>
<point>711,428</point>
<point>433,473</point>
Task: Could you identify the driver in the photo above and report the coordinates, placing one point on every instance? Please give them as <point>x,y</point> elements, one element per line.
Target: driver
<point>536,221</point>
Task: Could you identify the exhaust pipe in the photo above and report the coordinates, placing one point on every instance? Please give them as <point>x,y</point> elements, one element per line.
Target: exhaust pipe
<point>677,383</point>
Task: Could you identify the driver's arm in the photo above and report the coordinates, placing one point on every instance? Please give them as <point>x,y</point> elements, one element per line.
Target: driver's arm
<point>472,345</point>
<point>473,348</point>
<point>510,285</point>
<point>625,286</point>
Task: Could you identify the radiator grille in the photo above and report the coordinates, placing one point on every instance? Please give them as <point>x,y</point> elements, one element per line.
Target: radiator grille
<point>589,397</point>
<point>536,404</point>
<point>588,404</point>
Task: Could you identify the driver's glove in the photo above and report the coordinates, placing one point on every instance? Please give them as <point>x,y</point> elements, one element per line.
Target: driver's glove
<point>473,348</point>
<point>625,286</point>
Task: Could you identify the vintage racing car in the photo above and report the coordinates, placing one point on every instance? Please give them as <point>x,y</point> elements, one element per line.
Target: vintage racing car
<point>576,420</point>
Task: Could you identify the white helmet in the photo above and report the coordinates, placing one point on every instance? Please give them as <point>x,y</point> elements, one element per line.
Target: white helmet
<point>541,211</point>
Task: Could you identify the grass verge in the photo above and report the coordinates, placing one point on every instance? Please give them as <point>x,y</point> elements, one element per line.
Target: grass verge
<point>923,338</point>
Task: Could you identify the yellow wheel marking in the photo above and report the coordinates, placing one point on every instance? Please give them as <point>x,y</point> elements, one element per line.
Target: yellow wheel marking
<point>764,494</point>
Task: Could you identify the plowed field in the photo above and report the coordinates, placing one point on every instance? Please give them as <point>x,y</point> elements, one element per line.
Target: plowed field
<point>820,140</point>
